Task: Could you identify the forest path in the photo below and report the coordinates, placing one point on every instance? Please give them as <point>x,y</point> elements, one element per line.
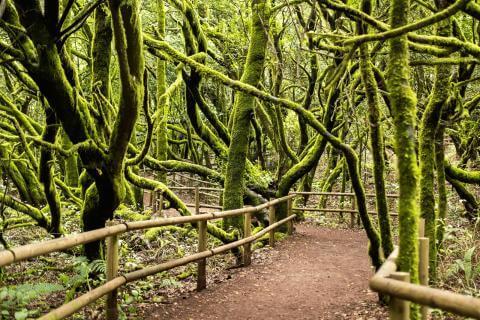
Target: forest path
<point>318,273</point>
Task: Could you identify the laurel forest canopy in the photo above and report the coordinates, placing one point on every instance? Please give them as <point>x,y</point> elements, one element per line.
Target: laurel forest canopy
<point>101,100</point>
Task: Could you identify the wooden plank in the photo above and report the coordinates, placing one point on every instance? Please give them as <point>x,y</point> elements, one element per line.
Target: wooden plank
<point>338,194</point>
<point>334,210</point>
<point>458,304</point>
<point>289,213</point>
<point>202,263</point>
<point>271,219</point>
<point>111,307</point>
<point>423,246</point>
<point>352,213</point>
<point>247,232</point>
<point>399,309</point>
<point>37,249</point>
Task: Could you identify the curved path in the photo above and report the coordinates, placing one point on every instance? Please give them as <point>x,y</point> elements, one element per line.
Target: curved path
<point>316,274</point>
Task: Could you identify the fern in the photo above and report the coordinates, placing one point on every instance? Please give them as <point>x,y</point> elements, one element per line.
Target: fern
<point>15,299</point>
<point>98,266</point>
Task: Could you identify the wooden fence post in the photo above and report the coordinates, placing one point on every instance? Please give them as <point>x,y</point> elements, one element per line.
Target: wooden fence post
<point>202,246</point>
<point>111,307</point>
<point>160,203</point>
<point>271,218</point>
<point>150,200</point>
<point>421,228</point>
<point>399,309</point>
<point>423,245</point>
<point>197,200</point>
<point>154,201</point>
<point>247,232</point>
<point>202,263</point>
<point>289,213</point>
<point>352,214</point>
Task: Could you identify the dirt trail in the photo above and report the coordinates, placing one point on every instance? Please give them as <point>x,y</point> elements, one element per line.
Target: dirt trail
<point>316,274</point>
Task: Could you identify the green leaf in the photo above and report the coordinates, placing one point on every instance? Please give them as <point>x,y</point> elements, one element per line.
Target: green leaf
<point>3,294</point>
<point>468,264</point>
<point>21,315</point>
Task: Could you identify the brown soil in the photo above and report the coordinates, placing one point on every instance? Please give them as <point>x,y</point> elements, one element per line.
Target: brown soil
<point>316,274</point>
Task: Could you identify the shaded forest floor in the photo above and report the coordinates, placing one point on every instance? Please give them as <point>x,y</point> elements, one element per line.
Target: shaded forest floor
<point>318,273</point>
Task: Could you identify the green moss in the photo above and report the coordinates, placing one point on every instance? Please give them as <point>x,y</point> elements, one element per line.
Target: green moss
<point>46,175</point>
<point>161,132</point>
<point>129,214</point>
<point>402,29</point>
<point>441,184</point>
<point>177,203</point>
<point>243,111</point>
<point>70,164</point>
<point>428,130</point>
<point>376,137</point>
<point>10,168</point>
<point>332,173</point>
<point>154,233</point>
<point>404,102</point>
<point>461,174</point>
<point>101,52</point>
<point>37,215</point>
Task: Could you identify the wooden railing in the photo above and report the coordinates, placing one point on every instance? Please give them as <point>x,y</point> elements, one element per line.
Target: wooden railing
<point>353,211</point>
<point>111,233</point>
<point>397,285</point>
<point>202,191</point>
<point>156,198</point>
<point>387,280</point>
<point>186,177</point>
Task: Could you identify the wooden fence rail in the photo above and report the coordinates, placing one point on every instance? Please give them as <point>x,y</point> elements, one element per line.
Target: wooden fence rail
<point>353,211</point>
<point>196,180</point>
<point>386,281</point>
<point>111,234</point>
<point>397,285</point>
<point>347,194</point>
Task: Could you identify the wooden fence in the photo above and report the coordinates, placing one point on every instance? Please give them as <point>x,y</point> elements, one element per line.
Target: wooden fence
<point>353,211</point>
<point>155,199</point>
<point>386,281</point>
<point>114,229</point>
<point>397,285</point>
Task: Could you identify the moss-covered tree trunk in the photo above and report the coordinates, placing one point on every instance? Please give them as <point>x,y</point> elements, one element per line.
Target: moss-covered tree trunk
<point>70,163</point>
<point>404,103</point>
<point>441,184</point>
<point>101,53</point>
<point>47,177</point>
<point>308,26</point>
<point>162,106</point>
<point>52,69</point>
<point>376,137</point>
<point>28,192</point>
<point>428,128</point>
<point>311,158</point>
<point>103,197</point>
<point>244,111</point>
